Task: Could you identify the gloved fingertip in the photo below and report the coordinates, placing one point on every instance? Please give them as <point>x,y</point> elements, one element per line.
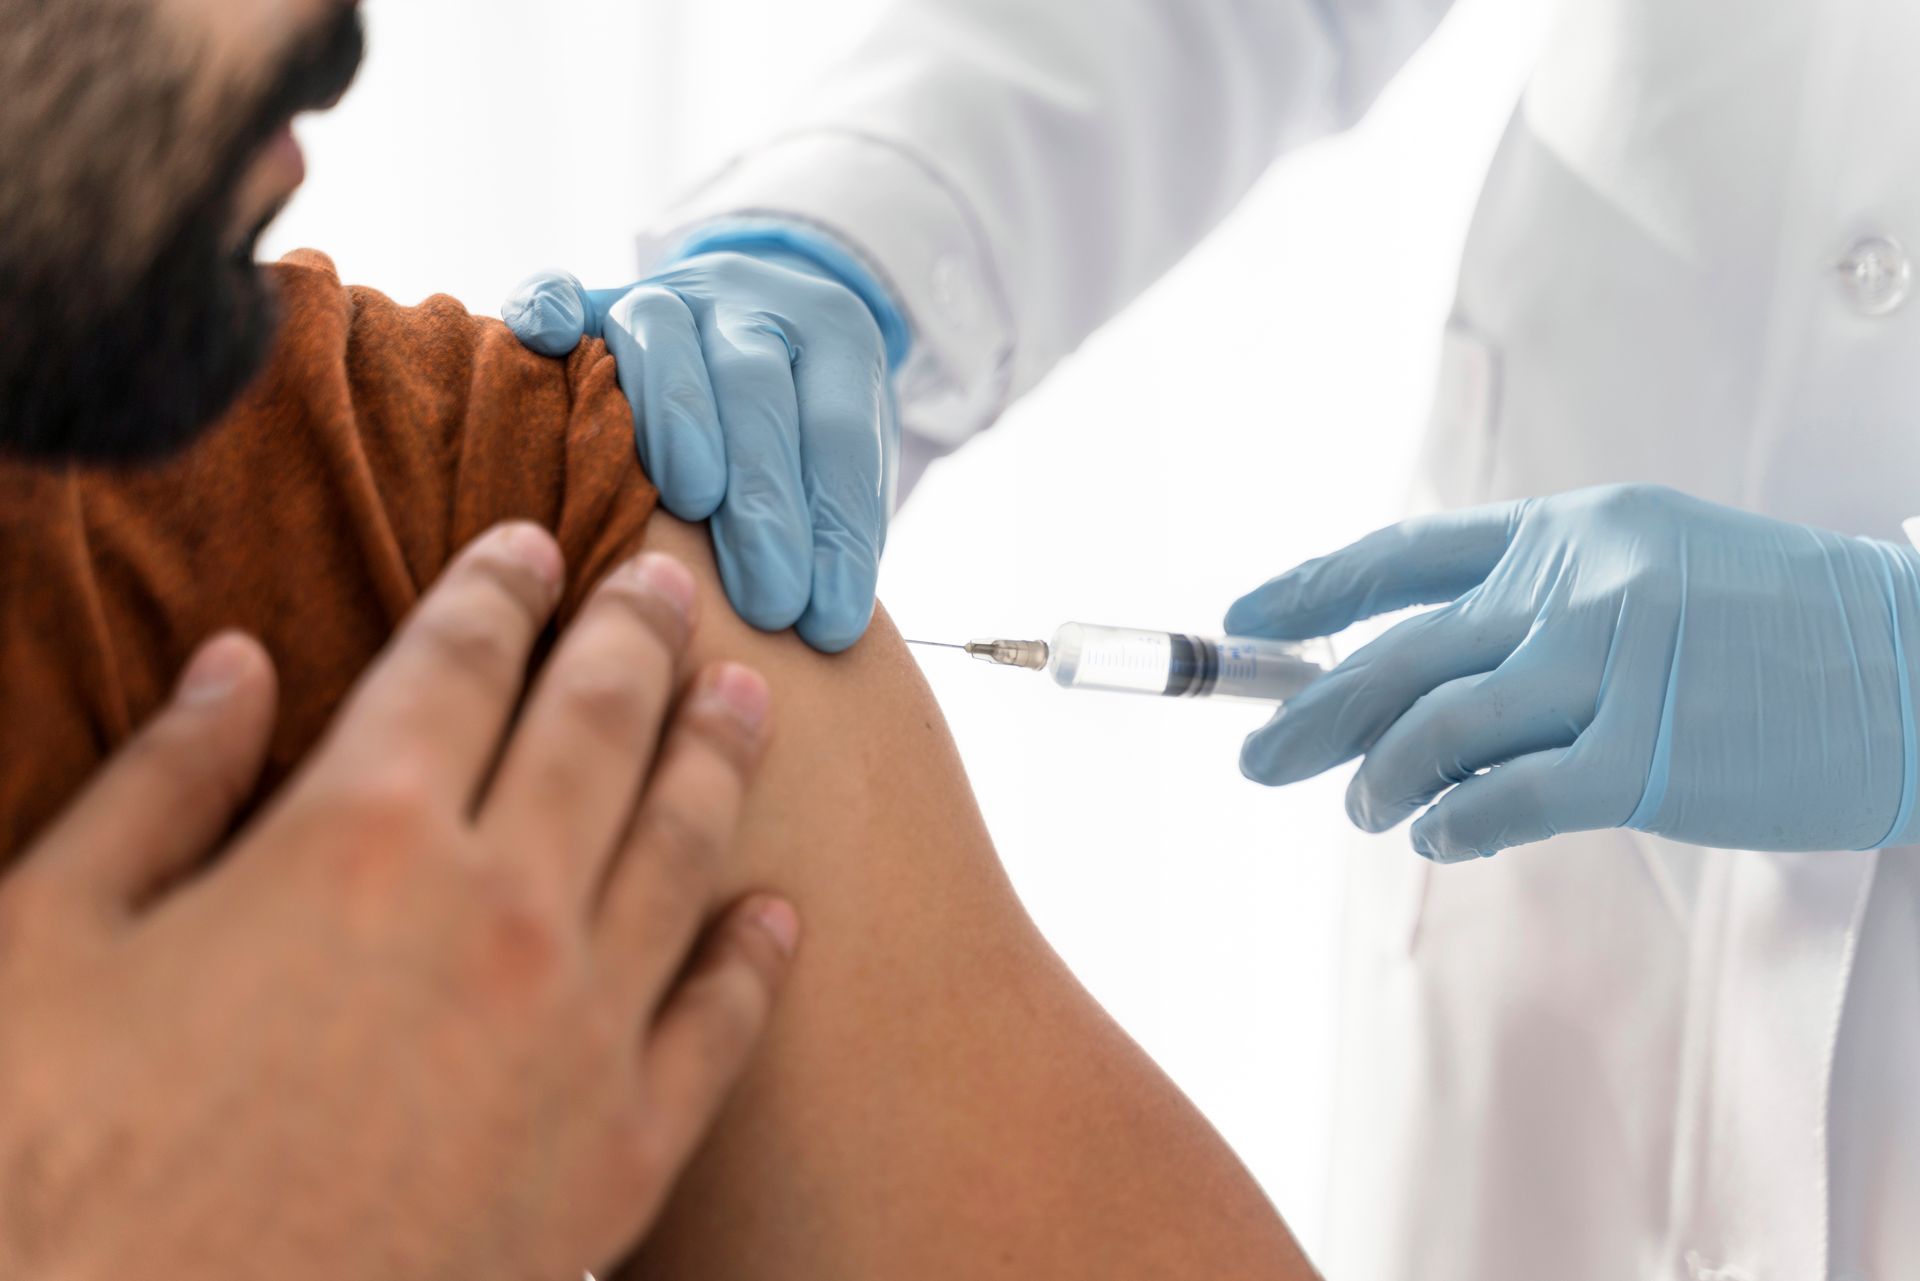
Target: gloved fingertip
<point>1247,616</point>
<point>1432,845</point>
<point>691,464</point>
<point>692,500</point>
<point>1274,612</point>
<point>1262,761</point>
<point>843,597</point>
<point>1251,766</point>
<point>767,607</point>
<point>1291,747</point>
<point>1364,814</point>
<point>764,613</point>
<point>767,587</point>
<point>692,481</point>
<point>548,313</point>
<point>832,631</point>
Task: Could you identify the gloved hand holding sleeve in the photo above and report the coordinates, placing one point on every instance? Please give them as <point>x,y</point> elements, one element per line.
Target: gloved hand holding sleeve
<point>758,370</point>
<point>1617,657</point>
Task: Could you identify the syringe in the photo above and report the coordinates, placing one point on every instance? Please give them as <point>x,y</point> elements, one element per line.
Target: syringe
<point>1171,664</point>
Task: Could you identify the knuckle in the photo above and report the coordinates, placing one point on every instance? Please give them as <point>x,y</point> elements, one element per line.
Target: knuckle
<point>661,628</point>
<point>613,703</point>
<point>488,581</point>
<point>1530,794</point>
<point>396,796</point>
<point>472,642</point>
<point>521,945</point>
<point>198,777</point>
<point>841,310</point>
<point>850,514</point>
<point>1631,499</point>
<point>724,755</point>
<point>737,1006</point>
<point>683,843</point>
<point>380,825</point>
<point>1619,787</point>
<point>643,306</point>
<point>1447,718</point>
<point>761,373</point>
<point>731,263</point>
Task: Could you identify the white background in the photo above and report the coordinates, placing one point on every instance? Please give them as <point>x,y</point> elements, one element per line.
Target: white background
<point>1261,405</point>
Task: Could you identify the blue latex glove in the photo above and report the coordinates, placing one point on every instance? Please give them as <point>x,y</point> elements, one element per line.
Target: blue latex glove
<point>1617,657</point>
<point>761,401</point>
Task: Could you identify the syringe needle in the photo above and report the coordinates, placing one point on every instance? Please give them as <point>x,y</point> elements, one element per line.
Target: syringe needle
<point>1031,655</point>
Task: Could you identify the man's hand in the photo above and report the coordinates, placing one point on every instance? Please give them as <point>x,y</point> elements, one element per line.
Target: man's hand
<point>761,401</point>
<point>1617,657</point>
<point>453,1006</point>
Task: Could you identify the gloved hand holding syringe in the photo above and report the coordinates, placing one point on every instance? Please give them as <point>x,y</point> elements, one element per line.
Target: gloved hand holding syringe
<point>1171,664</point>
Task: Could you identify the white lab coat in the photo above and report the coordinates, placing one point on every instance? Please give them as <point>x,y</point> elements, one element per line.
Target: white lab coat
<point>1613,1057</point>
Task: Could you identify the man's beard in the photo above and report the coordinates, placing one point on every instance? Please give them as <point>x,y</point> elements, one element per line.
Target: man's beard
<point>102,370</point>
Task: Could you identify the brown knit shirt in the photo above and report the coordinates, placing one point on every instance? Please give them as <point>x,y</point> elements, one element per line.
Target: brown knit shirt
<point>378,442</point>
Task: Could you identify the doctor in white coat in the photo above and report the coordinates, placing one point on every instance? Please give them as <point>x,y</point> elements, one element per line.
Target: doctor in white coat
<point>1681,1039</point>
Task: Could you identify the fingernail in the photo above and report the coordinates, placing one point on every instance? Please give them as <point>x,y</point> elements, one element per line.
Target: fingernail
<point>779,922</point>
<point>741,693</point>
<point>666,578</point>
<point>214,671</point>
<point>533,548</point>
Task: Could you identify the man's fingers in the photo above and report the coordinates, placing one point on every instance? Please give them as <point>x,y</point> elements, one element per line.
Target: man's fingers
<point>655,342</point>
<point>762,533</point>
<point>169,795</point>
<point>1345,712</point>
<point>552,312</point>
<point>1459,729</point>
<point>565,791</point>
<point>1523,801</point>
<point>664,883</point>
<point>841,383</point>
<point>706,1032</point>
<point>432,708</point>
<point>1427,561</point>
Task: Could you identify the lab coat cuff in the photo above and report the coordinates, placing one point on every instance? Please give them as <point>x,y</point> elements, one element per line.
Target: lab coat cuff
<point>908,228</point>
<point>1902,582</point>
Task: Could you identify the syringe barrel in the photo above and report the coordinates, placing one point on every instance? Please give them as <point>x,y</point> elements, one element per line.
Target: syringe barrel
<point>1176,665</point>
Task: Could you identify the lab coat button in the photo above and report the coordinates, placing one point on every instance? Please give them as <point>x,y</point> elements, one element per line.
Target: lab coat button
<point>1877,275</point>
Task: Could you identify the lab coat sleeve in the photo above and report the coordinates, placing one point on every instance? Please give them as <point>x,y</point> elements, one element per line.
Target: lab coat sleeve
<point>1017,171</point>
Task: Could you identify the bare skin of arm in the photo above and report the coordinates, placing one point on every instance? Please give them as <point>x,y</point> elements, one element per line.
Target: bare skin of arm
<point>938,1098</point>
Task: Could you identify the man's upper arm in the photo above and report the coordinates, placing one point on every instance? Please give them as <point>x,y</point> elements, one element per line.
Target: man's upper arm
<point>938,1098</point>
